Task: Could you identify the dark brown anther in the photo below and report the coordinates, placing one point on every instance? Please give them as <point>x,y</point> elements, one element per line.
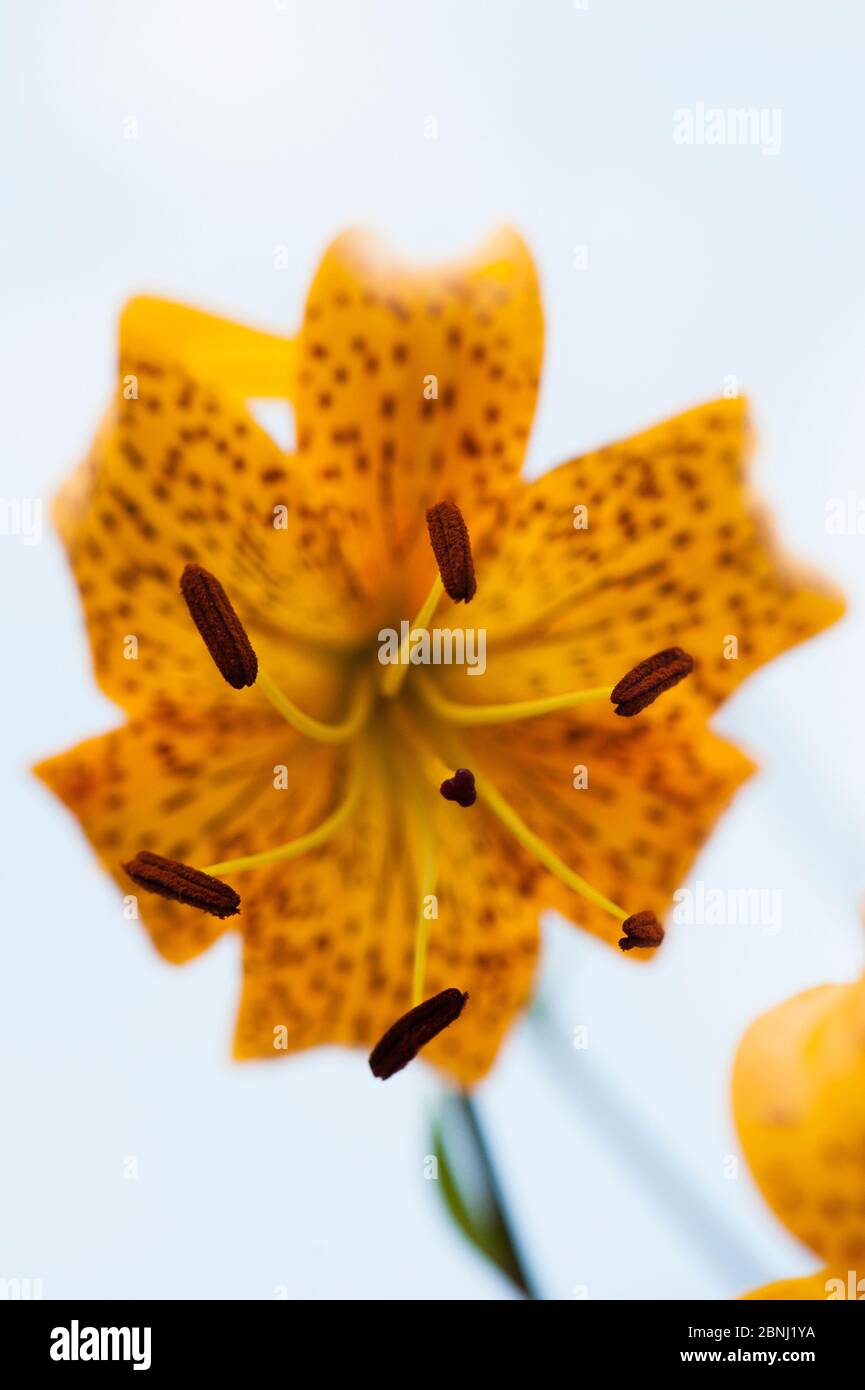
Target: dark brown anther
<point>460,788</point>
<point>222,631</point>
<point>641,930</point>
<point>452,548</point>
<point>405,1038</point>
<point>649,679</point>
<point>183,884</point>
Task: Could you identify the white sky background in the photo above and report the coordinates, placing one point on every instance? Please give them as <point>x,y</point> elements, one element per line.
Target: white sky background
<point>262,125</point>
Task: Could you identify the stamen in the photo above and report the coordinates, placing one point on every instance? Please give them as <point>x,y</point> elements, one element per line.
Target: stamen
<point>541,850</point>
<point>457,712</point>
<point>293,849</point>
<point>182,884</point>
<point>641,930</point>
<point>223,632</point>
<point>405,1038</point>
<point>460,788</point>
<point>318,729</point>
<point>434,767</point>
<point>394,675</point>
<point>452,548</point>
<point>649,679</point>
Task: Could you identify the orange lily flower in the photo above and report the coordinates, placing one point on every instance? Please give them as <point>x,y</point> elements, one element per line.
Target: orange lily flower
<point>361,888</point>
<point>799,1102</point>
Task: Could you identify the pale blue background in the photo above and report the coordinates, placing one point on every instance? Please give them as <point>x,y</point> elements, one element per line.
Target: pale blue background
<point>263,125</point>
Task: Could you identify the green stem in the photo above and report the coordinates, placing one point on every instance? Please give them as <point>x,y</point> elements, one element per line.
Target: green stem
<point>513,1259</point>
<point>660,1174</point>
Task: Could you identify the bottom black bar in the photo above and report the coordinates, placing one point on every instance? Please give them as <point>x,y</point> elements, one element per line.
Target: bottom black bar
<point>154,1338</point>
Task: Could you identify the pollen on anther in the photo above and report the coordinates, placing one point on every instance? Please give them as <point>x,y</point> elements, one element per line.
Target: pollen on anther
<point>405,1038</point>
<point>221,629</point>
<point>452,548</point>
<point>182,883</point>
<point>650,678</point>
<point>641,931</point>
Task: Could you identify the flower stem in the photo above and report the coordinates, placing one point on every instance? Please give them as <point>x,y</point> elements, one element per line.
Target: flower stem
<point>663,1178</point>
<point>516,1263</point>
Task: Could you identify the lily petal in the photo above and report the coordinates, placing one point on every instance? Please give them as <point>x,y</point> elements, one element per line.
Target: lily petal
<point>812,1287</point>
<point>415,384</point>
<point>239,360</point>
<point>799,1103</point>
<point>654,790</point>
<point>334,963</point>
<point>669,551</point>
<point>197,788</point>
<point>181,474</point>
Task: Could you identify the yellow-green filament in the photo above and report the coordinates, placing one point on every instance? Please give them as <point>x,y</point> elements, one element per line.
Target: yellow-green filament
<point>317,729</point>
<point>427,872</point>
<point>457,712</point>
<point>437,770</point>
<point>313,839</point>
<point>541,850</point>
<point>395,674</point>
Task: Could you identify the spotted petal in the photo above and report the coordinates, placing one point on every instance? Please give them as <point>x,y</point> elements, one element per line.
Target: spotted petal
<point>197,787</point>
<point>334,963</point>
<point>626,805</point>
<point>415,384</point>
<point>181,472</point>
<point>799,1102</point>
<point>634,548</point>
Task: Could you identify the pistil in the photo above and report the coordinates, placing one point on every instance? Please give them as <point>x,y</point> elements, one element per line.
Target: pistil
<point>438,772</point>
<point>427,873</point>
